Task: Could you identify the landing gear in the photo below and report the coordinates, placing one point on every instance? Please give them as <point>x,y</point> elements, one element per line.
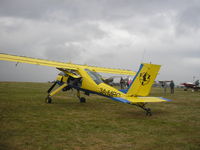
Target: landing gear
<point>48,100</point>
<point>51,88</point>
<point>148,110</point>
<point>82,99</point>
<point>50,94</point>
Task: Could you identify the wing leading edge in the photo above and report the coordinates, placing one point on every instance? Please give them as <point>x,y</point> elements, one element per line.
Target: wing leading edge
<point>22,59</point>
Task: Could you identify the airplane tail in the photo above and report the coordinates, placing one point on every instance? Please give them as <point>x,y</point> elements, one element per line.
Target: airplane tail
<point>143,80</point>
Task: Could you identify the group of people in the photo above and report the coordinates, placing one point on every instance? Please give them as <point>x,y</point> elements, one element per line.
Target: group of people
<point>125,83</point>
<point>171,85</point>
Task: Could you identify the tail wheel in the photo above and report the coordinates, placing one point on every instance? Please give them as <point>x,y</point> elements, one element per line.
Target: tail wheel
<point>82,100</point>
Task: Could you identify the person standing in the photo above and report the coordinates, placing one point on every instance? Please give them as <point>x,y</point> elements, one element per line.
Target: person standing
<point>197,83</point>
<point>122,83</point>
<point>172,86</point>
<point>165,86</point>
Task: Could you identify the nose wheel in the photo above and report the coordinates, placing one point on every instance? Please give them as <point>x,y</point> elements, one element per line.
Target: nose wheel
<point>48,100</point>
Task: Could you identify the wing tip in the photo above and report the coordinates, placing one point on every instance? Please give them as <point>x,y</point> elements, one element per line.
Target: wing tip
<point>165,99</point>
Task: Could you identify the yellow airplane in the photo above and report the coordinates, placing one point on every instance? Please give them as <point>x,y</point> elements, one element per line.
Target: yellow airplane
<point>86,79</point>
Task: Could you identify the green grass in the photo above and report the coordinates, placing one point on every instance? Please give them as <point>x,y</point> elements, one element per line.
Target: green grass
<point>27,123</point>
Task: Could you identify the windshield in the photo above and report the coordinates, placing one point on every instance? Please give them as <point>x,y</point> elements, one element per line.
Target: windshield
<point>95,76</point>
<point>62,74</point>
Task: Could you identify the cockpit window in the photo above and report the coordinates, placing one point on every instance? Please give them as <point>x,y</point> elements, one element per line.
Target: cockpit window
<point>95,76</point>
<point>62,74</point>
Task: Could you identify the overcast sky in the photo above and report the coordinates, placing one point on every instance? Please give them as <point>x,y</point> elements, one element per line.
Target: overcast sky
<point>107,33</point>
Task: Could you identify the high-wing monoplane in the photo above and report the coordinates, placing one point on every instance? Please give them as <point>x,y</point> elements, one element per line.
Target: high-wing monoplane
<point>86,79</point>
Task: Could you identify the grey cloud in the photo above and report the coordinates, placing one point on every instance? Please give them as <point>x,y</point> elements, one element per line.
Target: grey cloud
<point>64,52</point>
<point>28,37</point>
<point>89,9</point>
<point>112,33</point>
<point>23,8</point>
<point>189,19</point>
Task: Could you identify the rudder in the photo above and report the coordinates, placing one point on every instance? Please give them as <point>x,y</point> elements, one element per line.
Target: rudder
<point>144,79</point>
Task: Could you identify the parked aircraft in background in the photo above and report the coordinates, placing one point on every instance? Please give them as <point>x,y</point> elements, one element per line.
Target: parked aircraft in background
<point>189,85</point>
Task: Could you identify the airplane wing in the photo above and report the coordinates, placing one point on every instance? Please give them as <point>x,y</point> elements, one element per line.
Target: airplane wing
<point>70,66</point>
<point>112,71</point>
<point>132,100</point>
<point>22,59</point>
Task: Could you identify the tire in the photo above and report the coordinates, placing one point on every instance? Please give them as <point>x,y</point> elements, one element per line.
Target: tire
<point>49,100</point>
<point>82,100</point>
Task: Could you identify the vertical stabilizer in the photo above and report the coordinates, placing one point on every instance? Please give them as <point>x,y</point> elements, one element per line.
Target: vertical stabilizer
<point>143,81</point>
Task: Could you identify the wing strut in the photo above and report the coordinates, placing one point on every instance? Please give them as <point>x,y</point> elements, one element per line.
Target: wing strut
<point>51,88</point>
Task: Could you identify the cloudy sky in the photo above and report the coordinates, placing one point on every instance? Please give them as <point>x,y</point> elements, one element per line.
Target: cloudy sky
<point>107,33</point>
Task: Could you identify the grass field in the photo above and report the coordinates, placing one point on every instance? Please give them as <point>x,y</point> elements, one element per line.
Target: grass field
<point>27,123</point>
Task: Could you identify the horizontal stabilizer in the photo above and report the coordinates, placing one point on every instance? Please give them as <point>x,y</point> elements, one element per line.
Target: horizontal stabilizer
<point>132,100</point>
<point>147,99</point>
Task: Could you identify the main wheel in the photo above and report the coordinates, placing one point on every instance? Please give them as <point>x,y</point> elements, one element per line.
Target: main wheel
<point>82,100</point>
<point>148,112</point>
<point>49,100</point>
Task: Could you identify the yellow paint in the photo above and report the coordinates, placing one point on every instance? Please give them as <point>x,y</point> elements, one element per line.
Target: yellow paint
<point>144,80</point>
<point>58,89</point>
<point>141,86</point>
<point>70,66</point>
<point>62,78</point>
<point>144,99</point>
